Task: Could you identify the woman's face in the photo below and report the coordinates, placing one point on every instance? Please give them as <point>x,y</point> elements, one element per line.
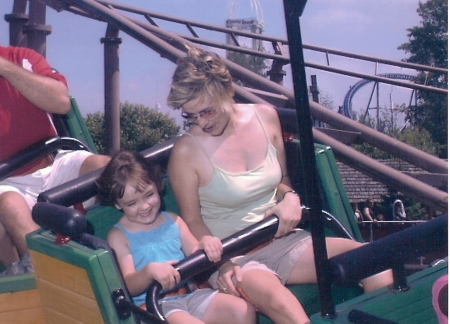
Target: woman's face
<point>211,117</point>
<point>140,206</point>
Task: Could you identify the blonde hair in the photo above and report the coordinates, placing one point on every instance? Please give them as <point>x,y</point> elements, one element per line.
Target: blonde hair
<point>200,74</point>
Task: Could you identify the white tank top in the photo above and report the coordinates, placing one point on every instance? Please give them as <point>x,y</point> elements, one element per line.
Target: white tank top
<point>234,201</point>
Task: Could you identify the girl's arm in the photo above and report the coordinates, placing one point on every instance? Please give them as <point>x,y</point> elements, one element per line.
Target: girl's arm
<point>189,244</point>
<point>138,281</point>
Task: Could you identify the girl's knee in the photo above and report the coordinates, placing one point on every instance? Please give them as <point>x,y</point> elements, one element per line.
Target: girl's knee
<point>230,309</point>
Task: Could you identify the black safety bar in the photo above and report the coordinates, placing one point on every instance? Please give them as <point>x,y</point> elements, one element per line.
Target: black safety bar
<point>390,252</point>
<point>345,269</point>
<point>36,151</point>
<point>85,187</point>
<point>236,244</point>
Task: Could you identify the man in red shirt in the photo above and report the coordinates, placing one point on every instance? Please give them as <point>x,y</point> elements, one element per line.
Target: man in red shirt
<point>30,91</point>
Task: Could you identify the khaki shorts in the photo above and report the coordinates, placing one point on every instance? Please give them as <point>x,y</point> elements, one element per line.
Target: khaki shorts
<point>66,167</point>
<point>279,257</point>
<point>195,303</point>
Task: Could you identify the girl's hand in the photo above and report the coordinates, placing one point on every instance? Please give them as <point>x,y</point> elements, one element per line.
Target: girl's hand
<point>289,213</point>
<point>229,275</point>
<point>164,273</point>
<point>212,246</point>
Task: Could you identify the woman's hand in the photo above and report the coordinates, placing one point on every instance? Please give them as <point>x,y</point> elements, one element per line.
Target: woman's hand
<point>212,246</point>
<point>164,273</point>
<point>288,211</point>
<point>229,275</point>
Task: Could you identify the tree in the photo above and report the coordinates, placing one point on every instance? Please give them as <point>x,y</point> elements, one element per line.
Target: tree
<point>428,45</point>
<point>140,127</point>
<point>419,138</point>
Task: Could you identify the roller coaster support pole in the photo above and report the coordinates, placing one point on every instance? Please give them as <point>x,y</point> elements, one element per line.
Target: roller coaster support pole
<point>36,29</point>
<point>293,10</point>
<point>17,19</point>
<point>111,43</point>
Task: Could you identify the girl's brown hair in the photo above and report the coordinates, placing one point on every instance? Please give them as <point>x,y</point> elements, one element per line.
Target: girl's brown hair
<point>124,168</point>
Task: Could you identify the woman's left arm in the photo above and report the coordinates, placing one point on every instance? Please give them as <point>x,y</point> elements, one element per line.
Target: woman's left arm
<point>288,209</point>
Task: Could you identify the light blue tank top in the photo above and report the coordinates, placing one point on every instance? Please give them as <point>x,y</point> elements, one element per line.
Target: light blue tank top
<point>234,201</point>
<point>156,245</point>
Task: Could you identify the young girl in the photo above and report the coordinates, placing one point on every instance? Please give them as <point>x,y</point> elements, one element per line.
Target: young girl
<point>148,242</point>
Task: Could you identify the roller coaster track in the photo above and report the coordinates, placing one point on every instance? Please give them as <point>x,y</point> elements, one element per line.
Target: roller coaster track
<point>347,106</point>
<point>170,45</point>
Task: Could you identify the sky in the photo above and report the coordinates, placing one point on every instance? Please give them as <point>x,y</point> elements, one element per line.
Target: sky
<point>369,27</point>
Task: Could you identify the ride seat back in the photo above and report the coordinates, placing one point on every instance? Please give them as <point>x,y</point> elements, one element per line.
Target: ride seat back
<point>74,282</point>
<point>75,277</point>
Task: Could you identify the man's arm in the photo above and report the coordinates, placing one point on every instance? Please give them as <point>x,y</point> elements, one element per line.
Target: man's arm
<point>46,93</point>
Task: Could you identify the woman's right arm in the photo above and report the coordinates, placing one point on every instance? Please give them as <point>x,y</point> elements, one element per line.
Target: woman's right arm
<point>184,180</point>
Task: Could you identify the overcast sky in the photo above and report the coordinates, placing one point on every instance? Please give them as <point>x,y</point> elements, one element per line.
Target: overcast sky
<point>370,27</point>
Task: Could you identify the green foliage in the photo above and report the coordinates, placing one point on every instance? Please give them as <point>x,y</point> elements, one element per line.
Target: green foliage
<point>417,137</point>
<point>140,127</point>
<point>96,125</point>
<point>428,45</point>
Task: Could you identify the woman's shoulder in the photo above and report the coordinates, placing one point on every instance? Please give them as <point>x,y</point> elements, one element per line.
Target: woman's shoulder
<point>267,113</point>
<point>185,145</point>
<point>263,109</point>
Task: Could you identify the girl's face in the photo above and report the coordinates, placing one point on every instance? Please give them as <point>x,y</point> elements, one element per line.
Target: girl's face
<point>140,207</point>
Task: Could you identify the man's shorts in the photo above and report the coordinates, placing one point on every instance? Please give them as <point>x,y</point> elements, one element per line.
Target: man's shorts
<point>65,167</point>
<point>278,257</point>
<point>194,303</point>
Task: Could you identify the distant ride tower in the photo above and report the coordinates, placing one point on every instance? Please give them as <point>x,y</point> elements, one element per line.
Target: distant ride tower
<point>245,15</point>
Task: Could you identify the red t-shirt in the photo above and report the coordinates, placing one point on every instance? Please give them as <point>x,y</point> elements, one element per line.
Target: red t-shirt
<point>21,122</point>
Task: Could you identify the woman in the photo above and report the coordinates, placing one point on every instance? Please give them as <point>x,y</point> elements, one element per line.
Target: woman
<point>226,177</point>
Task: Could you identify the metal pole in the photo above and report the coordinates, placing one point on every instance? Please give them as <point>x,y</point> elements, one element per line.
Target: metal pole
<point>36,29</point>
<point>17,19</point>
<point>292,11</point>
<point>111,43</point>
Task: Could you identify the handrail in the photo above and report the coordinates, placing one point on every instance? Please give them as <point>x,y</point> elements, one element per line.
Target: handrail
<point>36,151</point>
<point>85,187</point>
<point>390,251</point>
<point>148,14</point>
<point>284,41</point>
<point>238,243</point>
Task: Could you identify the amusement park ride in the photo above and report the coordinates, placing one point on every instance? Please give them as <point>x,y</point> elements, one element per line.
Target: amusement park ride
<point>79,282</point>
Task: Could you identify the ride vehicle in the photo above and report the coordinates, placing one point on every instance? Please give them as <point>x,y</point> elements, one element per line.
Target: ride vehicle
<point>77,280</point>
